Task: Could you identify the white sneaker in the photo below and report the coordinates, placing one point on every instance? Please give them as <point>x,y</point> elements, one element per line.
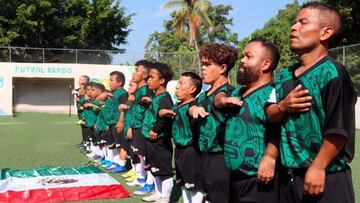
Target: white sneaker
<point>152,198</point>
<point>163,200</point>
<point>136,183</point>
<point>91,154</point>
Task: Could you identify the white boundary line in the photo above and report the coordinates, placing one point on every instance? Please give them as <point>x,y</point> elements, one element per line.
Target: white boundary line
<point>57,123</point>
<point>14,123</point>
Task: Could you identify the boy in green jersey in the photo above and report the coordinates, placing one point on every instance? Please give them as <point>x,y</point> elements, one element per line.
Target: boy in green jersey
<point>137,141</point>
<point>88,116</point>
<point>250,143</point>
<point>80,100</point>
<point>157,132</point>
<point>187,155</point>
<point>217,60</point>
<point>316,109</point>
<point>115,120</point>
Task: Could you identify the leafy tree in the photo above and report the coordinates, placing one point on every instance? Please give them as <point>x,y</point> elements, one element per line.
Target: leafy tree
<point>179,53</point>
<point>78,24</point>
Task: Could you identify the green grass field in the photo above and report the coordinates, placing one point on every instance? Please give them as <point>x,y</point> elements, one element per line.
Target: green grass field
<point>31,140</point>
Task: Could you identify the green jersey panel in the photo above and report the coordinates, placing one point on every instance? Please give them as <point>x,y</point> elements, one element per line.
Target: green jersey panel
<point>138,107</point>
<point>246,131</point>
<point>111,109</point>
<point>78,105</point>
<point>90,115</point>
<point>101,124</point>
<point>152,119</point>
<point>302,133</point>
<point>212,127</point>
<point>181,130</point>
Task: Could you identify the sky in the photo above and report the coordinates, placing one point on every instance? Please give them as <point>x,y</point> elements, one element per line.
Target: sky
<point>149,17</point>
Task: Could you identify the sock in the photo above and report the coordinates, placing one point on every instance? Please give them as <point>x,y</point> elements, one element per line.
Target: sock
<point>142,171</point>
<point>166,188</point>
<point>105,152</point>
<point>122,162</point>
<point>186,195</point>
<point>112,153</point>
<point>149,178</point>
<point>196,196</point>
<point>158,186</point>
<point>139,170</point>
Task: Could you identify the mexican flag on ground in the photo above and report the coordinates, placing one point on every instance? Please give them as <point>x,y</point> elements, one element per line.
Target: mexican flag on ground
<point>58,184</point>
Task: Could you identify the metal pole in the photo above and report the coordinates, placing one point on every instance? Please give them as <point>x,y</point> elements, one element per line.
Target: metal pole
<point>13,99</point>
<point>70,87</point>
<point>76,56</point>
<point>43,53</point>
<point>10,54</point>
<point>343,61</point>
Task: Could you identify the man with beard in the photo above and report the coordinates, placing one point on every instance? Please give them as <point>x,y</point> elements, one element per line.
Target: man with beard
<point>250,143</point>
<point>316,109</point>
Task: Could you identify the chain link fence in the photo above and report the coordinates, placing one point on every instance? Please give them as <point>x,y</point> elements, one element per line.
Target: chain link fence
<point>179,61</point>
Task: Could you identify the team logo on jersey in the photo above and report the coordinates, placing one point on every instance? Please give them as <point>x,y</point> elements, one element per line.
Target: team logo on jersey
<point>154,169</point>
<point>189,185</point>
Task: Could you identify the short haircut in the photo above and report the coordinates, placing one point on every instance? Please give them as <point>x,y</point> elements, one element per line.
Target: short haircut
<point>195,80</point>
<point>90,84</point>
<point>327,9</point>
<point>99,86</point>
<point>273,51</point>
<point>164,70</point>
<point>141,62</point>
<point>120,77</point>
<point>220,54</point>
<point>86,77</point>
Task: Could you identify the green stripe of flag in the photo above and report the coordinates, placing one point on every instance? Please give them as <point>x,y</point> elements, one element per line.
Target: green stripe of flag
<point>48,171</point>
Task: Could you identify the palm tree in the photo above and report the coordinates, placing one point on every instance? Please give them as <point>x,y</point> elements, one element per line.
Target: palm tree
<point>188,19</point>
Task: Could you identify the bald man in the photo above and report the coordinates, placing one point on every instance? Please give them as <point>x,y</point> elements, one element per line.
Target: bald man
<point>315,105</point>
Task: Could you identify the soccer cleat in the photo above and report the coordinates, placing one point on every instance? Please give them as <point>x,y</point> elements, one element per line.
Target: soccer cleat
<point>152,198</point>
<point>146,189</point>
<point>128,174</point>
<point>132,178</point>
<point>137,182</point>
<point>119,169</point>
<point>107,164</point>
<point>112,166</point>
<point>163,200</point>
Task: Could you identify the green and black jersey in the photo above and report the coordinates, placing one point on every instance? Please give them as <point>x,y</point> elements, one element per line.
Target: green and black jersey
<point>212,128</point>
<point>152,121</point>
<point>78,105</point>
<point>101,124</point>
<point>332,112</point>
<point>90,115</point>
<point>111,109</point>
<point>182,130</point>
<point>247,130</point>
<point>128,118</point>
<point>138,107</point>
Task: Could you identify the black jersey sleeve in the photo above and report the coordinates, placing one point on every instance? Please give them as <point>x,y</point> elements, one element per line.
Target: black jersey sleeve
<point>339,98</point>
<point>123,98</point>
<point>163,123</point>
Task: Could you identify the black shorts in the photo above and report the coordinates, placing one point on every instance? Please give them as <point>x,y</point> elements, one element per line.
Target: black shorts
<point>84,139</point>
<point>98,137</point>
<point>137,142</point>
<point>338,187</point>
<point>88,134</point>
<point>245,188</point>
<point>216,177</point>
<point>159,156</point>
<point>114,139</point>
<point>188,168</point>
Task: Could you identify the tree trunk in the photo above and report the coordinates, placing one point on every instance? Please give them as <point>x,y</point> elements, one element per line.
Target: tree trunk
<point>197,56</point>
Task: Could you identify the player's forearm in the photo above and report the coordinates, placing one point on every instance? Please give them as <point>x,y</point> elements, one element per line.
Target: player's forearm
<point>330,148</point>
<point>272,149</point>
<point>274,113</point>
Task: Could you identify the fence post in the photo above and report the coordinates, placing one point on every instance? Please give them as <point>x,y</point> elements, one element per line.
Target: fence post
<point>344,54</point>
<point>10,54</point>
<point>76,56</point>
<point>43,50</point>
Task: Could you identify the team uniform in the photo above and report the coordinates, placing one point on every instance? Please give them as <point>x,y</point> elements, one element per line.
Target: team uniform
<point>101,126</point>
<point>246,137</point>
<point>80,113</point>
<point>90,121</point>
<point>331,112</point>
<point>158,152</point>
<point>138,110</point>
<point>211,142</point>
<point>187,155</point>
<point>112,114</point>
<point>127,120</point>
